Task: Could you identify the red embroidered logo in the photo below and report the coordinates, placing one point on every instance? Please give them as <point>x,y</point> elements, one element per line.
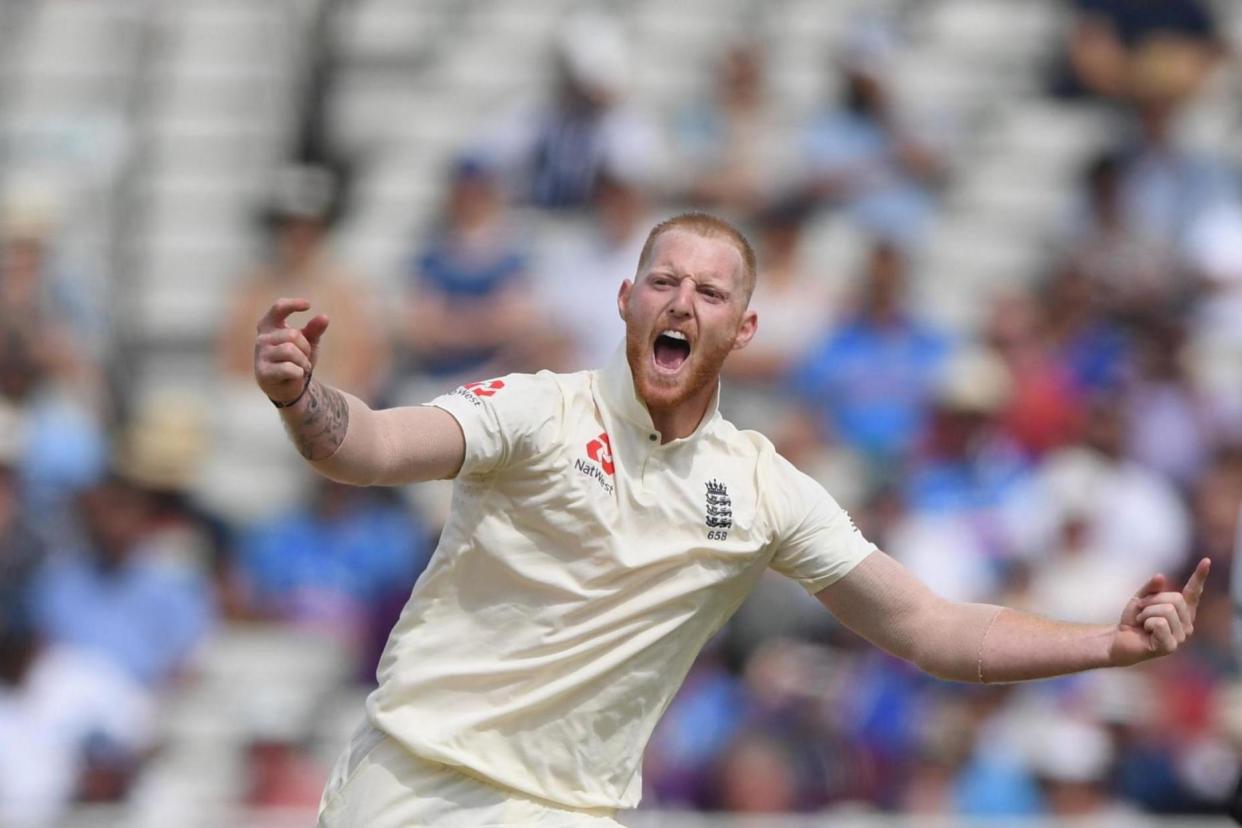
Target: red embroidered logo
<point>484,388</point>
<point>600,450</point>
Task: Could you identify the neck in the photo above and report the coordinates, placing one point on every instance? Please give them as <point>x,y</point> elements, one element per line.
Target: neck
<point>680,420</point>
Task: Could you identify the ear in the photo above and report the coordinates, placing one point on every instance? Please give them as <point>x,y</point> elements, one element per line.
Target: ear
<point>746,330</point>
<point>623,297</point>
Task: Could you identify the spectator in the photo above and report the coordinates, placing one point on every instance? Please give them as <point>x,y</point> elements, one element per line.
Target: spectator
<point>1215,348</point>
<point>68,719</point>
<point>1130,513</point>
<point>1214,250</point>
<point>1170,424</point>
<point>1092,351</point>
<point>1128,705</point>
<point>584,273</point>
<point>995,780</point>
<point>1072,760</point>
<point>469,312</point>
<point>1107,37</point>
<point>699,725</point>
<point>964,469</point>
<point>960,770</point>
<point>870,381</point>
<point>47,376</point>
<point>733,146</point>
<point>41,328</point>
<point>1130,274</point>
<point>248,476</point>
<point>1075,578</point>
<point>281,773</point>
<point>1216,500</point>
<point>966,463</point>
<point>298,219</point>
<point>552,152</point>
<point>22,549</point>
<point>793,307</point>
<point>144,611</point>
<point>866,157</point>
<point>1166,185</point>
<point>161,448</point>
<point>759,774</point>
<point>1045,410</point>
<point>343,564</point>
<point>281,776</point>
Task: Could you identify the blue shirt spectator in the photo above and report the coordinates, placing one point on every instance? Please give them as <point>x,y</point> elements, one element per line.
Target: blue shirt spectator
<point>1166,185</point>
<point>120,597</point>
<point>146,616</point>
<point>872,380</point>
<point>858,155</point>
<point>552,151</point>
<point>996,786</point>
<point>1094,352</point>
<point>706,715</point>
<point>967,463</point>
<point>865,158</point>
<point>470,304</point>
<point>460,277</point>
<point>334,562</point>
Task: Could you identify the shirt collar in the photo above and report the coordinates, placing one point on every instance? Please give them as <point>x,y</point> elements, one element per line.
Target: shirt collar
<point>617,388</point>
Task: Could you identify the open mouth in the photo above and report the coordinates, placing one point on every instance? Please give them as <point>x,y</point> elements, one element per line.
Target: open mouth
<point>671,350</point>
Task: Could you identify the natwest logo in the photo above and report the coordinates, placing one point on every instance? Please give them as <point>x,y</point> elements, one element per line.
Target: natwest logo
<point>484,388</point>
<point>600,450</point>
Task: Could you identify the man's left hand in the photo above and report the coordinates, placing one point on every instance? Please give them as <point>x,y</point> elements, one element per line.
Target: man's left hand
<point>1156,621</point>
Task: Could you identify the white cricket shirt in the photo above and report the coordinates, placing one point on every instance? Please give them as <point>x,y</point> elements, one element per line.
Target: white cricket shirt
<point>582,568</point>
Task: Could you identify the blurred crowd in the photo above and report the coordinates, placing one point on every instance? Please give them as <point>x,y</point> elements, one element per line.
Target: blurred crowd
<point>1085,434</point>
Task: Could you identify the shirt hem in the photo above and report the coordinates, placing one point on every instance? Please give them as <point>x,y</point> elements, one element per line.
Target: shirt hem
<point>596,807</point>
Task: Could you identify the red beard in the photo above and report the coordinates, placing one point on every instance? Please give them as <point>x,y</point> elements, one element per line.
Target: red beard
<point>662,393</point>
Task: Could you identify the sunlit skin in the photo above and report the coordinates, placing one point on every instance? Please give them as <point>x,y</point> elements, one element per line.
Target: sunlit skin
<point>695,285</point>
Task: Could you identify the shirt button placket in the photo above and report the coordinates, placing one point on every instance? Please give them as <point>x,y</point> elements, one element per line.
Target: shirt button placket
<point>653,440</point>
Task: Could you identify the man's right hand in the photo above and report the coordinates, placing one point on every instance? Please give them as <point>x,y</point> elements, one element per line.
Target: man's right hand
<point>284,356</point>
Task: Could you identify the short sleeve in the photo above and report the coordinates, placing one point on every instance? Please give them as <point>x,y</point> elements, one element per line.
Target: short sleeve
<point>816,541</point>
<point>506,421</point>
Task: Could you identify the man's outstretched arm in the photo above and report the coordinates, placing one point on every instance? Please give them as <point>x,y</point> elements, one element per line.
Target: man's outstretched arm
<point>339,434</point>
<point>984,643</point>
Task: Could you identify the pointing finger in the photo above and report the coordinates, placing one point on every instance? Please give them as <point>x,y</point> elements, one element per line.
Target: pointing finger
<point>1194,587</point>
<point>279,311</point>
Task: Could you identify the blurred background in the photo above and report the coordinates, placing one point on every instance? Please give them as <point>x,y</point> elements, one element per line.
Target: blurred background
<point>1000,319</point>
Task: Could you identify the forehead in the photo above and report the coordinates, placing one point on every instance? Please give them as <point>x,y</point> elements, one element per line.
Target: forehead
<point>686,253</point>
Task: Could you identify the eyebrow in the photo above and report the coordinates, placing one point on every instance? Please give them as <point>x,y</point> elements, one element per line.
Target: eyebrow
<point>664,270</point>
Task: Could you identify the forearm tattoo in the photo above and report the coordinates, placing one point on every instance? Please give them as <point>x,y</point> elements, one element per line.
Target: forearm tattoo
<point>318,426</point>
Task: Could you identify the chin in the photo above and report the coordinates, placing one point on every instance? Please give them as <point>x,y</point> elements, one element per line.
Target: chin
<point>662,392</point>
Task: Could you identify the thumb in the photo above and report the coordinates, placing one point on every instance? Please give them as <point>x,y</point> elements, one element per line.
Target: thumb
<point>314,329</point>
<point>1154,585</point>
<point>1130,613</point>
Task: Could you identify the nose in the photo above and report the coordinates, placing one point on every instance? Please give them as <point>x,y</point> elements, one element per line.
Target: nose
<point>683,299</point>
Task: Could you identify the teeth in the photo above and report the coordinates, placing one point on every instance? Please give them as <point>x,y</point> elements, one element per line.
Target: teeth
<point>675,335</point>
